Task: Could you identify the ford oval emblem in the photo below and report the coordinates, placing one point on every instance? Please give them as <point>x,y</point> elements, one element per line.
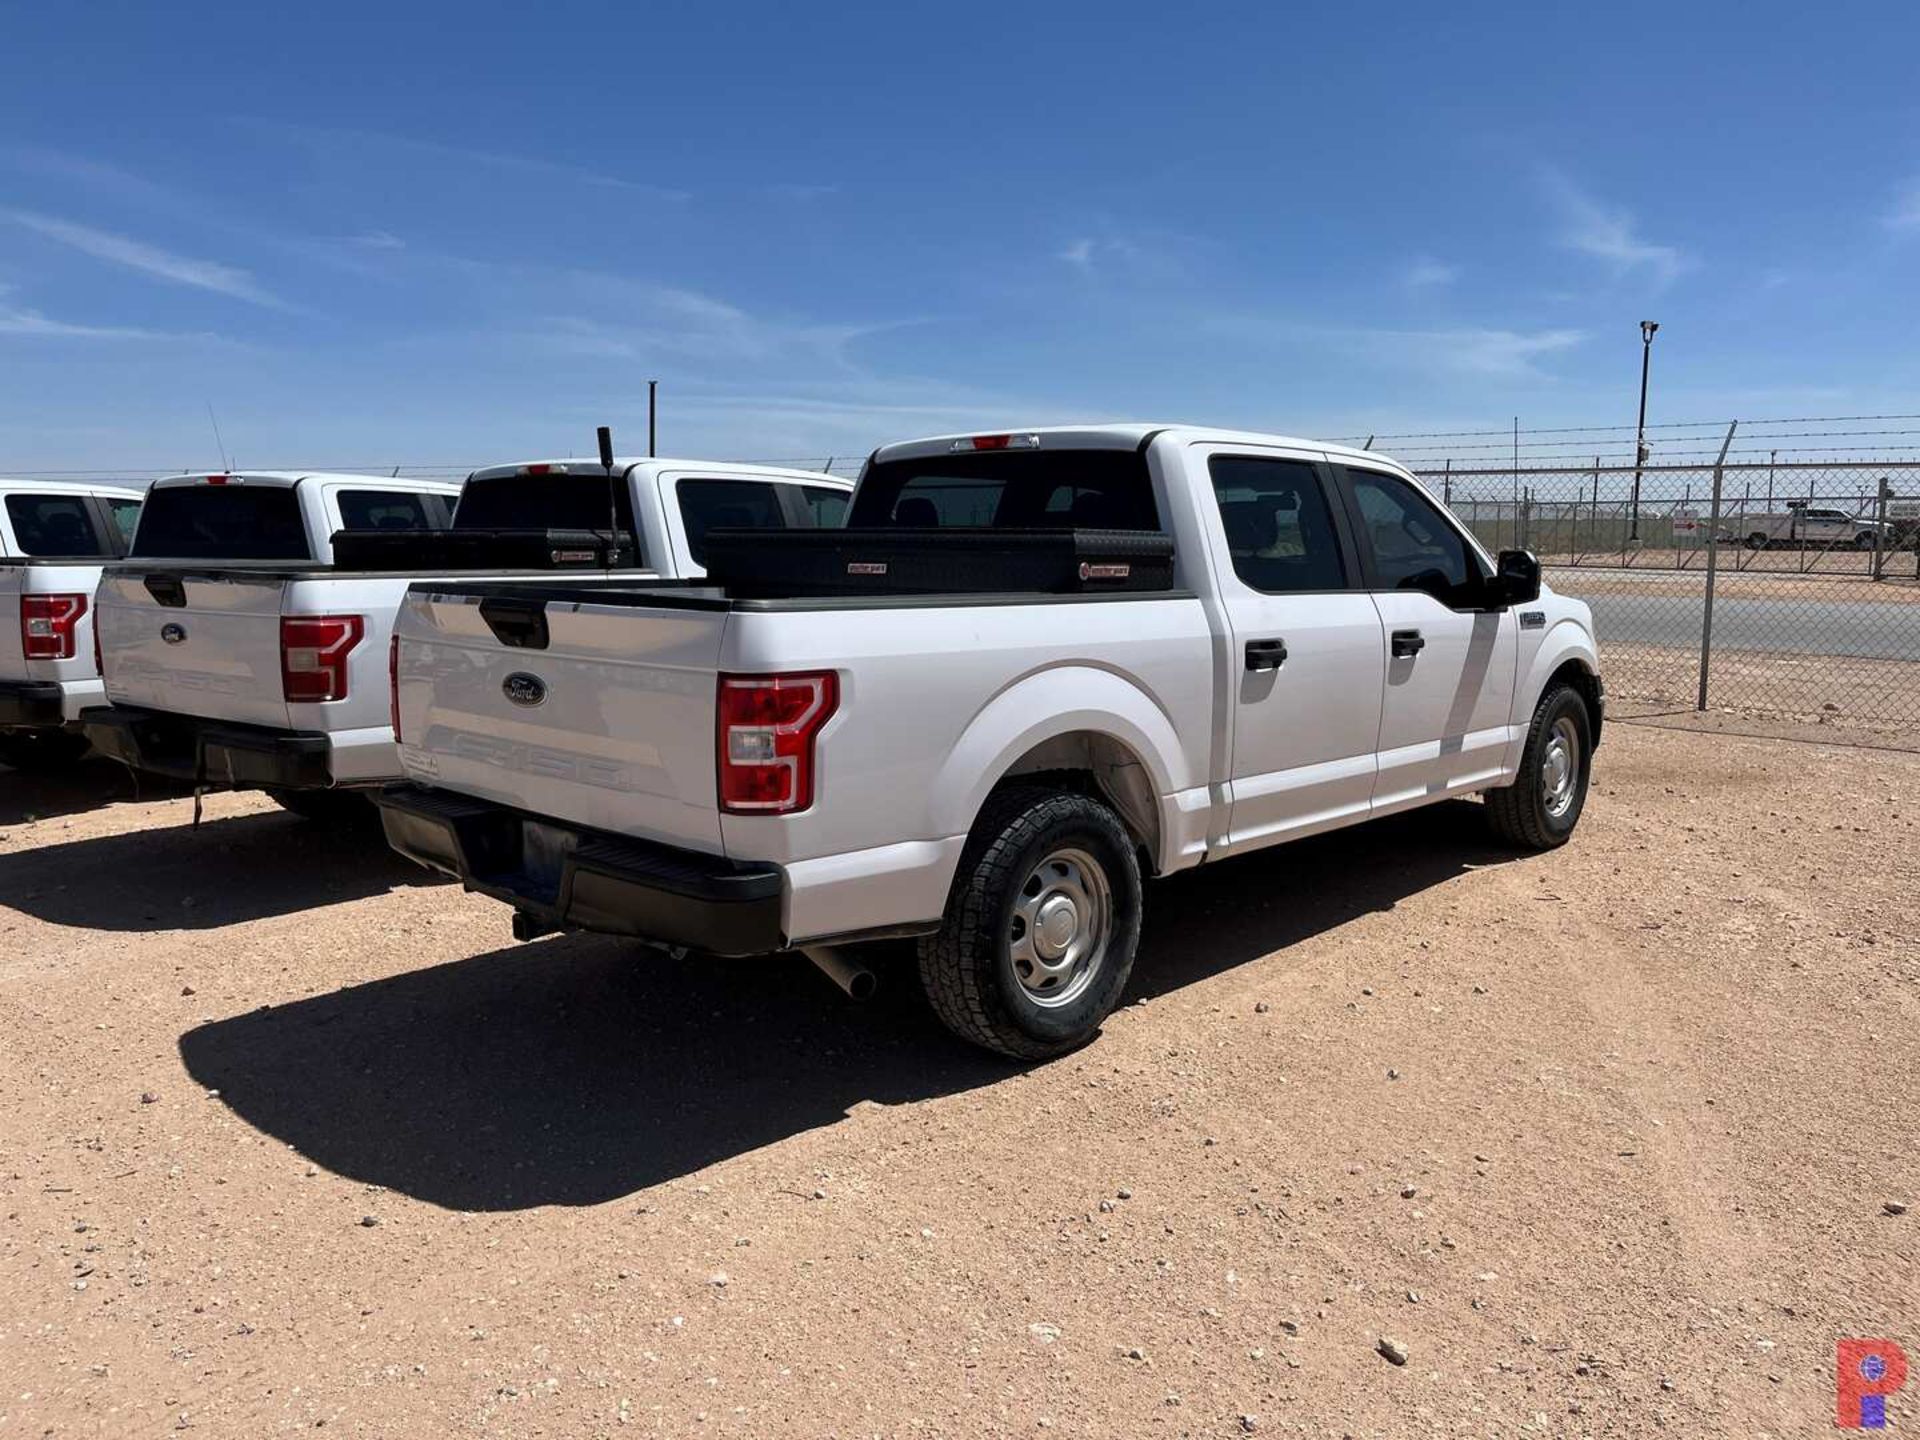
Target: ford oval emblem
<point>173,634</point>
<point>524,689</point>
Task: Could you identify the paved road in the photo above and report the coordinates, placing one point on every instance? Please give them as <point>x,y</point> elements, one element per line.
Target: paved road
<point>1818,627</point>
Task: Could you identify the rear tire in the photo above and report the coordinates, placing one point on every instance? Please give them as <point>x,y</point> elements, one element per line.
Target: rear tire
<point>42,750</point>
<point>1757,540</point>
<point>326,807</point>
<point>1539,810</point>
<point>1863,541</point>
<point>1041,926</point>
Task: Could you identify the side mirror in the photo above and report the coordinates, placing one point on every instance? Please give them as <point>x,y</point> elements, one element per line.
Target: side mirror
<point>1517,580</point>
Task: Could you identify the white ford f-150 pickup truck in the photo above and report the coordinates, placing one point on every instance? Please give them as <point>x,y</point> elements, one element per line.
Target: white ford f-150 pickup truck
<point>1033,668</point>
<point>54,537</point>
<point>245,641</point>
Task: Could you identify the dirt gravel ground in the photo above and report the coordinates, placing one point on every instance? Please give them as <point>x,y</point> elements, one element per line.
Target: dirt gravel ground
<point>294,1137</point>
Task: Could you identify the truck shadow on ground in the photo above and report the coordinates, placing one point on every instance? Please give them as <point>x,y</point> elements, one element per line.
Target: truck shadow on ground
<point>242,867</point>
<point>578,1070</point>
<point>28,795</point>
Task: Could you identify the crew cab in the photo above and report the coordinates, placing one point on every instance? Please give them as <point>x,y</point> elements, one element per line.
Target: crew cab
<point>54,538</point>
<point>1033,669</point>
<point>245,639</point>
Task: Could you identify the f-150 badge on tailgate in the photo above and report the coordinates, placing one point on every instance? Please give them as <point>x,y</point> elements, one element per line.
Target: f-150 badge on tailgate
<point>524,689</point>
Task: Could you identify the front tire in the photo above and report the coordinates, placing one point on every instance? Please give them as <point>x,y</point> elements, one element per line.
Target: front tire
<point>1539,810</point>
<point>1863,541</point>
<point>1757,540</point>
<point>1041,926</point>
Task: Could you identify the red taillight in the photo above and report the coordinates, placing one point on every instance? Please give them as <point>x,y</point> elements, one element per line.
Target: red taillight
<point>992,442</point>
<point>767,725</point>
<point>217,479</point>
<point>48,623</point>
<point>313,656</point>
<point>393,686</point>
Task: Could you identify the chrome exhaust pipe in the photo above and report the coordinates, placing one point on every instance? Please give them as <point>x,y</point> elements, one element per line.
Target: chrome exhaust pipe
<point>850,975</point>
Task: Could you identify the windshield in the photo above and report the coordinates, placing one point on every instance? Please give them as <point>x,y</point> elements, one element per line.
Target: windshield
<point>221,522</point>
<point>1010,489</point>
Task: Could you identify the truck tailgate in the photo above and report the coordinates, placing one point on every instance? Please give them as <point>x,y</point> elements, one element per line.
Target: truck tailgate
<point>194,644</point>
<point>608,724</point>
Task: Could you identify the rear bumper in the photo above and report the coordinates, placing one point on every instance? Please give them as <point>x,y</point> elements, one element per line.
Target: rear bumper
<point>32,704</point>
<point>213,752</point>
<point>587,879</point>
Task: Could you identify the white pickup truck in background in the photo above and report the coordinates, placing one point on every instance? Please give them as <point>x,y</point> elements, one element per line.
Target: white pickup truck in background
<point>54,537</point>
<point>239,650</point>
<point>1805,525</point>
<point>1033,668</point>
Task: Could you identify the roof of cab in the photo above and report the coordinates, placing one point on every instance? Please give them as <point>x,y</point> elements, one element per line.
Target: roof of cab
<point>726,469</point>
<point>69,487</point>
<point>1121,435</point>
<point>294,477</point>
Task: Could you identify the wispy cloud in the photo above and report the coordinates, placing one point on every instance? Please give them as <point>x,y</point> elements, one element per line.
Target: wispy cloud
<point>149,259</point>
<point>377,240</point>
<point>1508,354</point>
<point>1079,252</point>
<point>331,141</point>
<point>1609,234</point>
<point>1427,273</point>
<point>1905,214</point>
<point>19,320</point>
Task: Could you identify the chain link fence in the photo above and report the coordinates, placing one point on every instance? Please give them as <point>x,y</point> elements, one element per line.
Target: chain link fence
<point>1789,591</point>
<point>1781,590</point>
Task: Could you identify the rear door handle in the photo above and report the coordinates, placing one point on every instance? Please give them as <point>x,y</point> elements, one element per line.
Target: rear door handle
<point>1407,644</point>
<point>1266,654</point>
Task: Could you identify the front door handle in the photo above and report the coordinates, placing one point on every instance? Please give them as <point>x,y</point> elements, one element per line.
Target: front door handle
<point>1266,654</point>
<point>1407,644</point>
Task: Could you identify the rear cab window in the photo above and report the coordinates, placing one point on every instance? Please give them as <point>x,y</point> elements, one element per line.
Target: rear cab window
<point>828,505</point>
<point>56,525</point>
<point>1009,489</point>
<point>235,521</point>
<point>547,502</point>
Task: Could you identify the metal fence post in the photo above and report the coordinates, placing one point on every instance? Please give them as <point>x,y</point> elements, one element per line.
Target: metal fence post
<point>1713,568</point>
<point>1880,529</point>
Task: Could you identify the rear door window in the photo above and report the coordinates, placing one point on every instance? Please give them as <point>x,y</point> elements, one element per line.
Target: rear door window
<point>1010,489</point>
<point>385,510</point>
<point>828,505</point>
<point>1279,524</point>
<point>221,522</point>
<point>726,504</point>
<point>125,514</point>
<point>55,525</point>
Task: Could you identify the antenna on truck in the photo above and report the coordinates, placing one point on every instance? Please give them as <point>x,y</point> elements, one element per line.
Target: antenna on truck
<point>605,434</point>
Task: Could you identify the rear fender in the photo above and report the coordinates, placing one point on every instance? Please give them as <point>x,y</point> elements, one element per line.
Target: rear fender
<point>1047,705</point>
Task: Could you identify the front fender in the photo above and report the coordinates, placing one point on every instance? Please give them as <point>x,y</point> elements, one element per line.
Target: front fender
<point>1564,639</point>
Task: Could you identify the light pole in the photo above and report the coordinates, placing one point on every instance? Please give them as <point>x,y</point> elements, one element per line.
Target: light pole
<point>1647,327</point>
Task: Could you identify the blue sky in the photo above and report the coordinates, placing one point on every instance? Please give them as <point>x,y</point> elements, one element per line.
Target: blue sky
<point>408,234</point>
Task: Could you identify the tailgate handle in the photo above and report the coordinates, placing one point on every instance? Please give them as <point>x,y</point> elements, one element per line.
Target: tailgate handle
<point>518,624</point>
<point>168,590</point>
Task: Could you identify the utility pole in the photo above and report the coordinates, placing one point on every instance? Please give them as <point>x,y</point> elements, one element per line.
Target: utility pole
<point>1647,328</point>
<point>653,387</point>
